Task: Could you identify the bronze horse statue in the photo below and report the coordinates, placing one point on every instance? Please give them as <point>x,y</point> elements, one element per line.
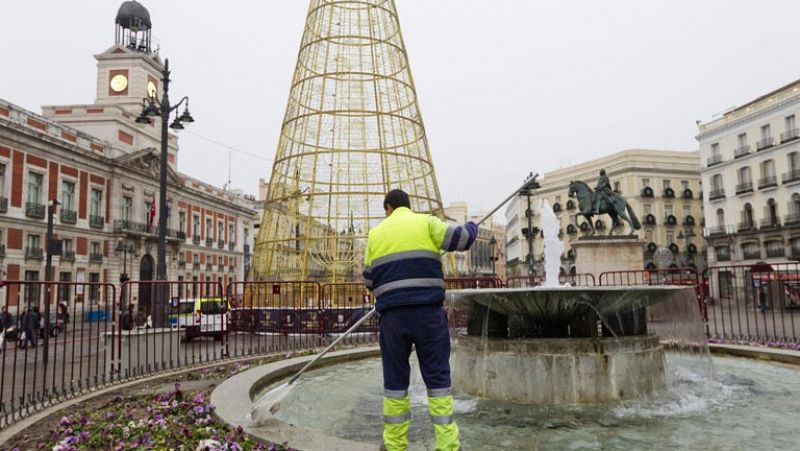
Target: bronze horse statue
<point>617,207</point>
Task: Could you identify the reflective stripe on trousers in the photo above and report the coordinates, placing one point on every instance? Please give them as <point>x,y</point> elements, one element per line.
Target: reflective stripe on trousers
<point>396,419</point>
<point>441,411</point>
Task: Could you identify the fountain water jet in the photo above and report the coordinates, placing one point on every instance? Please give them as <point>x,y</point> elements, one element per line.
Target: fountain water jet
<point>553,247</point>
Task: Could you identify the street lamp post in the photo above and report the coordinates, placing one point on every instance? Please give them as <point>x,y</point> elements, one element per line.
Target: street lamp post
<point>152,107</point>
<point>530,184</point>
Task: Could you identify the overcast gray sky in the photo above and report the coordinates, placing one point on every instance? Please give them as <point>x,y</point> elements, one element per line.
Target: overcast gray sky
<point>506,87</point>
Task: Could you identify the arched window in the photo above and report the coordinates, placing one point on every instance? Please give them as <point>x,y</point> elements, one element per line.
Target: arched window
<point>772,212</point>
<point>796,204</point>
<point>747,215</point>
<point>721,217</point>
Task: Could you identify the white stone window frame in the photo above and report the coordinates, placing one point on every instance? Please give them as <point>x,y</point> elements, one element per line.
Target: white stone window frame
<point>93,187</point>
<point>76,193</point>
<point>6,163</point>
<point>34,170</point>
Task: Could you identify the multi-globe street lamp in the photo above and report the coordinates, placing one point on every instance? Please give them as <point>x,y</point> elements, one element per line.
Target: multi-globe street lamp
<point>152,107</point>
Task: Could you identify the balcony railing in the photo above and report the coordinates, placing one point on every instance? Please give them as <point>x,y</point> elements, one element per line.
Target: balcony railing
<point>688,220</point>
<point>792,219</point>
<point>741,151</point>
<point>751,254</point>
<point>765,143</point>
<point>196,266</point>
<point>669,192</point>
<point>647,192</point>
<point>181,263</point>
<point>791,176</point>
<point>231,246</point>
<point>714,160</point>
<point>770,223</point>
<point>789,135</point>
<point>716,194</point>
<point>34,210</point>
<point>3,204</point>
<point>34,252</point>
<point>68,216</point>
<point>141,228</point>
<point>767,182</point>
<point>746,226</point>
<point>670,220</point>
<point>196,239</point>
<point>716,230</point>
<point>68,256</point>
<point>221,244</point>
<point>95,258</point>
<point>745,187</point>
<point>779,252</point>
<point>96,221</point>
<point>209,242</point>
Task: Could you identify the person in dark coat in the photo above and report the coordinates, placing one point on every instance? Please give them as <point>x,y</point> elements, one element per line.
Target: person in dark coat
<point>127,318</point>
<point>6,320</point>
<point>30,324</point>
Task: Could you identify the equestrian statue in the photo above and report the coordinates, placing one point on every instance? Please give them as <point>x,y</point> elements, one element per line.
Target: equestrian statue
<point>603,200</point>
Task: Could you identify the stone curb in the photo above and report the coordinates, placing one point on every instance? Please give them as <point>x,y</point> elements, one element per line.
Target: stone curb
<point>758,353</point>
<point>233,398</point>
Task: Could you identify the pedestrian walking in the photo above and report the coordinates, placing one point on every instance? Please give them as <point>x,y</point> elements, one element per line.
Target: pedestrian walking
<point>762,300</point>
<point>403,269</point>
<point>127,318</point>
<point>6,320</point>
<point>30,323</point>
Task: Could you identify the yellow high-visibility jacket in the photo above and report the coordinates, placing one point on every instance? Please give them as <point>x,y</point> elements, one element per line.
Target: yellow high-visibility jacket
<point>402,264</point>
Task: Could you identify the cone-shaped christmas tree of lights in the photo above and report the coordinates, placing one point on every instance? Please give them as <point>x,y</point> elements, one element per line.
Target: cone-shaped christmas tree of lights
<point>352,132</point>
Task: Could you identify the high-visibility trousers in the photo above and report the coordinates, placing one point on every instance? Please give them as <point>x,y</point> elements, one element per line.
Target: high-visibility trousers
<point>425,328</point>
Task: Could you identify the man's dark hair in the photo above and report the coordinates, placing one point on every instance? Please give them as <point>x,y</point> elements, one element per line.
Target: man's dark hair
<point>396,198</point>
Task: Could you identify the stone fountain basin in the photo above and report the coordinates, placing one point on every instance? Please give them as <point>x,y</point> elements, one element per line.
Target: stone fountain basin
<point>559,345</point>
<point>559,312</point>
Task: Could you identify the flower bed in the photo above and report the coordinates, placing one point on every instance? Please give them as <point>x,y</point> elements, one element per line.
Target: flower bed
<point>148,416</point>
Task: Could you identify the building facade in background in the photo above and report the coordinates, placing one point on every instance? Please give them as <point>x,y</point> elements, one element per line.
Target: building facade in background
<point>486,256</point>
<point>663,188</point>
<point>103,167</point>
<point>751,167</point>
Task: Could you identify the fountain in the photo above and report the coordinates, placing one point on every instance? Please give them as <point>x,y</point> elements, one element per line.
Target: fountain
<point>557,344</point>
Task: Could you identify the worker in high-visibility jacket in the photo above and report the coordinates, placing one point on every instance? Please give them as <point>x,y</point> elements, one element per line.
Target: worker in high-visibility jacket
<point>403,269</point>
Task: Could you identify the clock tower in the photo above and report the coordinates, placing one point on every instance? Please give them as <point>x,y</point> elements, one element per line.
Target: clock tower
<point>127,72</point>
<point>130,70</point>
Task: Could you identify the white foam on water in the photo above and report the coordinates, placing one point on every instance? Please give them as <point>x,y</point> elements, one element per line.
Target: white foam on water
<point>691,392</point>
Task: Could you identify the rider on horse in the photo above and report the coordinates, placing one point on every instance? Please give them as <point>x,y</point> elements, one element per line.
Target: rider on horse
<point>603,191</point>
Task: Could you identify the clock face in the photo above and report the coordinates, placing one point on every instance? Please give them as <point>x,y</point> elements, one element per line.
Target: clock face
<point>152,91</point>
<point>119,83</point>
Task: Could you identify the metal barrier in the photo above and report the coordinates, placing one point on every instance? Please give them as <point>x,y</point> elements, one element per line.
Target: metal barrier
<point>575,280</point>
<point>49,360</point>
<point>755,303</point>
<point>664,276</point>
<point>165,325</point>
<point>102,336</point>
<point>273,316</point>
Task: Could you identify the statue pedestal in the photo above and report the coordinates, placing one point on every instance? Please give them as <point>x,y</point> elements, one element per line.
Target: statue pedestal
<point>596,255</point>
